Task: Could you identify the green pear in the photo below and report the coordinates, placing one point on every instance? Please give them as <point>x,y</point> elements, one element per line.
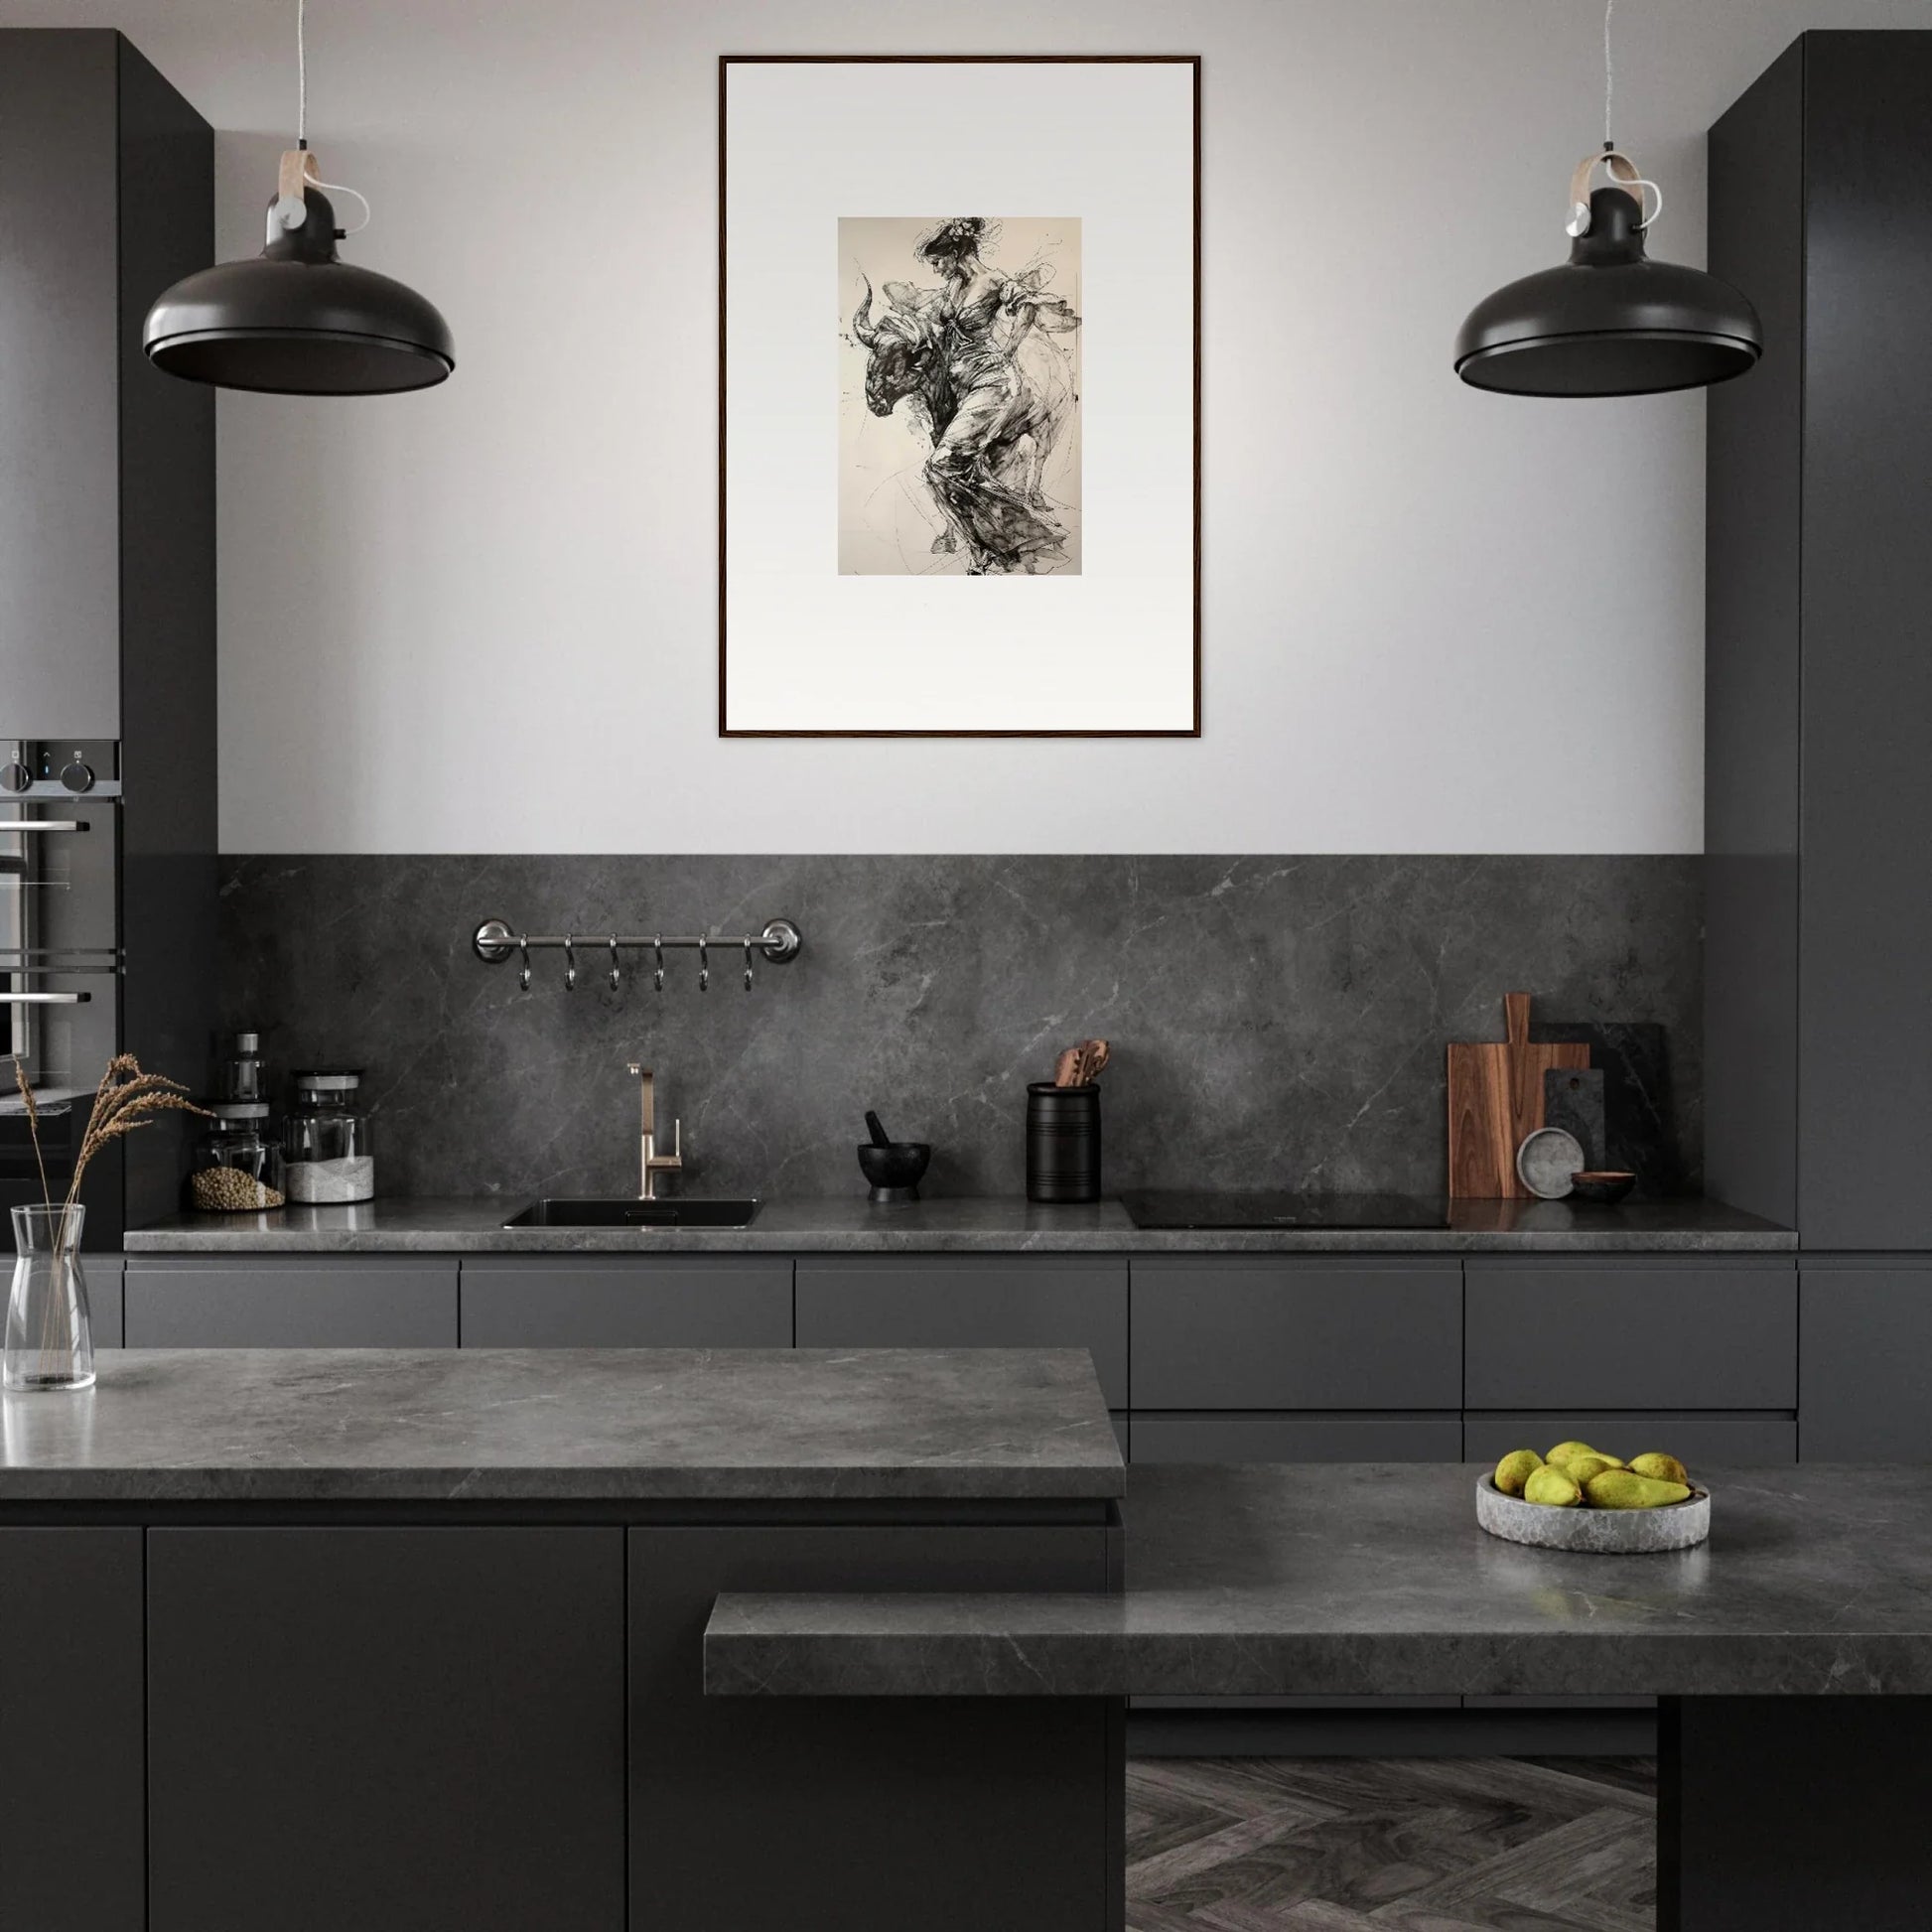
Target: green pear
<point>1580,1469</point>
<point>1515,1469</point>
<point>1665,1468</point>
<point>1565,1451</point>
<point>1623,1489</point>
<point>1550,1485</point>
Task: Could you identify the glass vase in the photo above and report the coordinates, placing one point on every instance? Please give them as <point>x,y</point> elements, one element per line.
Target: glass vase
<point>49,1337</point>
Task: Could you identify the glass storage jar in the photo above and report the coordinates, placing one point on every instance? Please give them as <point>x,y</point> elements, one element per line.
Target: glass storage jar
<point>237,1165</point>
<point>326,1139</point>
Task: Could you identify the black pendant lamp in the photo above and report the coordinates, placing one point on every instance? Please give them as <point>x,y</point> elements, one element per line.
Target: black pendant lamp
<point>1610,322</point>
<point>298,320</point>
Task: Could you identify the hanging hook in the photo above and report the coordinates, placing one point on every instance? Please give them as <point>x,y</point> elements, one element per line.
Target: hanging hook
<point>570,962</point>
<point>704,966</point>
<point>617,971</point>
<point>748,965</point>
<point>523,947</point>
<point>658,978</point>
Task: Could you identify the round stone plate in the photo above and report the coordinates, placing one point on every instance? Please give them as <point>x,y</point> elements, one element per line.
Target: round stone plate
<point>1545,1162</point>
<point>1600,1532</point>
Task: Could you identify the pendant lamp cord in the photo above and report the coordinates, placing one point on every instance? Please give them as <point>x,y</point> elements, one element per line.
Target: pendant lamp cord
<point>302,118</point>
<point>1609,72</point>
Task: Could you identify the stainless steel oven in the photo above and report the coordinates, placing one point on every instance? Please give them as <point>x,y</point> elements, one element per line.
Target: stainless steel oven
<point>60,959</point>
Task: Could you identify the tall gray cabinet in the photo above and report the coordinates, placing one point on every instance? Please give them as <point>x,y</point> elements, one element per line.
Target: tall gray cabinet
<point>1819,716</point>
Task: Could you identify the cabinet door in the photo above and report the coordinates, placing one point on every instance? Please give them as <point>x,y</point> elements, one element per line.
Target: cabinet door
<point>103,1273</point>
<point>1268,1333</point>
<point>946,1301</point>
<point>901,1813</point>
<point>1656,1333</point>
<point>386,1729</point>
<point>59,385</point>
<point>1736,1440</point>
<point>687,1302</point>
<point>292,1302</point>
<point>1298,1439</point>
<point>1867,1387</point>
<point>72,1729</point>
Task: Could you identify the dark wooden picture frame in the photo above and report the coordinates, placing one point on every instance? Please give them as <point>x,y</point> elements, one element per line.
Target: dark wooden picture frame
<point>728,61</point>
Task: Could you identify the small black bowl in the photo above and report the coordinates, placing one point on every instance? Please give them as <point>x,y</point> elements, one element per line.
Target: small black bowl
<point>1607,1187</point>
<point>895,1170</point>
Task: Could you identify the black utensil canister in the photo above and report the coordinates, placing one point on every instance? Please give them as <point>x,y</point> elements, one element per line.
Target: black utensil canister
<point>1062,1142</point>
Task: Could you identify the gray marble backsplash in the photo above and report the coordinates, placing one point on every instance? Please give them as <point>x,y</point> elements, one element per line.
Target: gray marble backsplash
<point>1276,1022</point>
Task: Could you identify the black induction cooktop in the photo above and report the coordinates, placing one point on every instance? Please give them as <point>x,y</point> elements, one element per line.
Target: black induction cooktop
<point>1159,1208</point>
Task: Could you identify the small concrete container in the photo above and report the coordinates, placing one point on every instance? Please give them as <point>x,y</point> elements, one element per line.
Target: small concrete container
<point>1596,1532</point>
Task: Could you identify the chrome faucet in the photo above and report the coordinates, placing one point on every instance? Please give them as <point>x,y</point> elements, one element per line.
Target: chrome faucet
<point>650,1163</point>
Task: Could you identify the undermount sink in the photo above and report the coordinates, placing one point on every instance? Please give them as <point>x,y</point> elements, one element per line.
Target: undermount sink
<point>620,1212</point>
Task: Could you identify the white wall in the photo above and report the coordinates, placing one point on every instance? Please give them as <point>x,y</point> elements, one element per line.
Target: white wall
<point>483,618</point>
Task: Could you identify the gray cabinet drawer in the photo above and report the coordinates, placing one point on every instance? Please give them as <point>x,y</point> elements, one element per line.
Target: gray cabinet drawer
<point>290,1301</point>
<point>1298,1439</point>
<point>695,1301</point>
<point>1234,1332</point>
<point>103,1273</point>
<point>1734,1440</point>
<point>1643,1334</point>
<point>975,1302</point>
<point>1867,1387</point>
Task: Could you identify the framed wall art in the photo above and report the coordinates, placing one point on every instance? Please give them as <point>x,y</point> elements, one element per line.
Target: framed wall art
<point>959,396</point>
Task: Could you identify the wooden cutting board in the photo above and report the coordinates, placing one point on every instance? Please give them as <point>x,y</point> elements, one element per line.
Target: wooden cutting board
<point>1495,1099</point>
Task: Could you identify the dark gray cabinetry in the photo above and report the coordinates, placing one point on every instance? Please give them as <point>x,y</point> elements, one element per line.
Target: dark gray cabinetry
<point>60,415</point>
<point>743,1809</point>
<point>71,1735</point>
<point>1551,1333</point>
<point>107,573</point>
<point>103,1274</point>
<point>1699,1438</point>
<point>1867,1387</point>
<point>672,1302</point>
<point>948,1301</point>
<point>1298,1439</point>
<point>393,1730</point>
<point>1269,1360</point>
<point>1819,468</point>
<point>289,1302</point>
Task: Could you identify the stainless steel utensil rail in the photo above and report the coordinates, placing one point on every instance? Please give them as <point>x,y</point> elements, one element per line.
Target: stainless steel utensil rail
<point>45,999</point>
<point>43,825</point>
<point>496,941</point>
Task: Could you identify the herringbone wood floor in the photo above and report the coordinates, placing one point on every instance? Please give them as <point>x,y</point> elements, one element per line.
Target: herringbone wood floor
<point>1391,1845</point>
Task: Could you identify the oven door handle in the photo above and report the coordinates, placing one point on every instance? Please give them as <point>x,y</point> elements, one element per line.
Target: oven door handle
<point>45,999</point>
<point>43,825</point>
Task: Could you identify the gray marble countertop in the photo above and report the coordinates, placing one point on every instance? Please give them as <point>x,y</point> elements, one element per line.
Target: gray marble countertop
<point>566,1425</point>
<point>960,1226</point>
<point>1373,1578</point>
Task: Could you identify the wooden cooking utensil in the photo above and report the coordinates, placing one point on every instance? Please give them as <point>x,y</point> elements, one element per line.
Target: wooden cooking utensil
<point>1495,1100</point>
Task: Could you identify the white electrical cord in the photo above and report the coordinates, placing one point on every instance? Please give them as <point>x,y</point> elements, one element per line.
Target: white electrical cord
<point>1610,71</point>
<point>290,212</point>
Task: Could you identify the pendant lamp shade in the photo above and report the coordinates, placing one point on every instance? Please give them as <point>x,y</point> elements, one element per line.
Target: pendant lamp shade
<point>1610,322</point>
<point>299,320</point>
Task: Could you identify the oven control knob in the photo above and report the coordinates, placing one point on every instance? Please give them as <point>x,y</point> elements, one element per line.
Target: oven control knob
<point>15,776</point>
<point>77,776</point>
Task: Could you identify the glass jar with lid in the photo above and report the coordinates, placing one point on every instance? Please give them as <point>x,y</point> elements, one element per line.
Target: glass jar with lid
<point>330,1155</point>
<point>238,1163</point>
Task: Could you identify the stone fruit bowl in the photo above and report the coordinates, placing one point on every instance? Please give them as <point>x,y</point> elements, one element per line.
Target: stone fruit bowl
<point>1599,1531</point>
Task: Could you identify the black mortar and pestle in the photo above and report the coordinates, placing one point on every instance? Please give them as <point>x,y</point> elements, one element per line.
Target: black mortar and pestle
<point>893,1167</point>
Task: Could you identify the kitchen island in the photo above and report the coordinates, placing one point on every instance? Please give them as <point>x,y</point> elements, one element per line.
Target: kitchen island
<point>413,1639</point>
<point>1793,1651</point>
